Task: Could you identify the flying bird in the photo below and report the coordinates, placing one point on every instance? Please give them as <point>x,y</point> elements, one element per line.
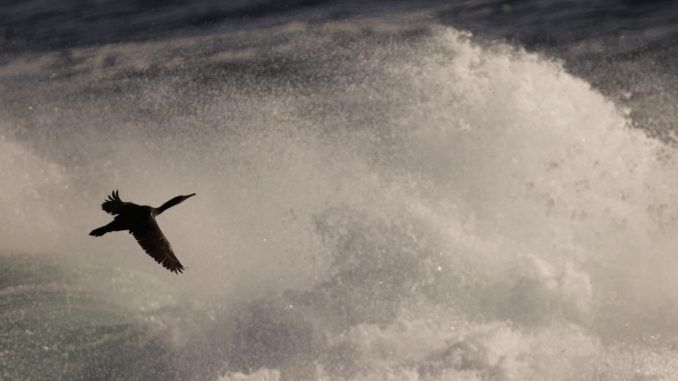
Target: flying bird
<point>140,221</point>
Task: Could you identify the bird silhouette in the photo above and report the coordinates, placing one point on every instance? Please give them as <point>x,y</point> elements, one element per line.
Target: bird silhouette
<point>139,220</point>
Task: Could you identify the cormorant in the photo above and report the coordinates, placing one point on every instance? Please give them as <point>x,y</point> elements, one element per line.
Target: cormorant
<point>140,221</point>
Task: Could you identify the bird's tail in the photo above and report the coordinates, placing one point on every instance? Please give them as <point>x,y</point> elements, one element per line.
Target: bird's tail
<point>98,232</point>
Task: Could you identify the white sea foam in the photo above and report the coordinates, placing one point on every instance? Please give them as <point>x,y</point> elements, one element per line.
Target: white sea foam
<point>438,209</point>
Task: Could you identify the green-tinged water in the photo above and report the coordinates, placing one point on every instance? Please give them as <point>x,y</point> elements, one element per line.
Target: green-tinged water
<point>71,318</point>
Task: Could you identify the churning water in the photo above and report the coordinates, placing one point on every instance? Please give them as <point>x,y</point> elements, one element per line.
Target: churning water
<point>383,197</point>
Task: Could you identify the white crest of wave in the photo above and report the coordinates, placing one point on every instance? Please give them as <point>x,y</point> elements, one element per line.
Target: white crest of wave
<point>440,210</point>
<point>260,375</point>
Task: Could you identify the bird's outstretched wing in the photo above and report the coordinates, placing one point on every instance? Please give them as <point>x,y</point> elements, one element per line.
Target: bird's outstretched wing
<point>113,203</point>
<point>156,245</point>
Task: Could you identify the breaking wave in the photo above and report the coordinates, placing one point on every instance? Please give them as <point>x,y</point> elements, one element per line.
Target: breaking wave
<point>419,208</point>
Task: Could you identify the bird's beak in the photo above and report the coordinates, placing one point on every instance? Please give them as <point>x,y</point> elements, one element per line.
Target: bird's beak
<point>189,195</point>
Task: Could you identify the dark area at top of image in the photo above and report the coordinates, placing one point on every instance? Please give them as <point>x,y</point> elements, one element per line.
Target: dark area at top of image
<point>40,25</point>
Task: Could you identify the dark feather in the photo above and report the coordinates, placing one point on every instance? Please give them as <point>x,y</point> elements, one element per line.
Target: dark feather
<point>155,244</point>
<point>113,204</point>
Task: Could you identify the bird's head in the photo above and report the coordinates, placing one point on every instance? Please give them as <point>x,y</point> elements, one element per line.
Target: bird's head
<point>184,197</point>
<point>174,201</point>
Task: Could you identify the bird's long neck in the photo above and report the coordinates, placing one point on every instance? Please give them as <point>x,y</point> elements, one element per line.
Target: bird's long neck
<point>169,204</point>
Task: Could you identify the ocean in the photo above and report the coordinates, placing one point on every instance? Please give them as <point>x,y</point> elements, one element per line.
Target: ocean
<point>386,190</point>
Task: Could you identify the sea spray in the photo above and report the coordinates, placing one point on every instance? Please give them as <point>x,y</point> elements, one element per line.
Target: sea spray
<point>421,208</point>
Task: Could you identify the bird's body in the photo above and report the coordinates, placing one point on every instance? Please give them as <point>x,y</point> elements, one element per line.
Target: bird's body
<point>139,220</point>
